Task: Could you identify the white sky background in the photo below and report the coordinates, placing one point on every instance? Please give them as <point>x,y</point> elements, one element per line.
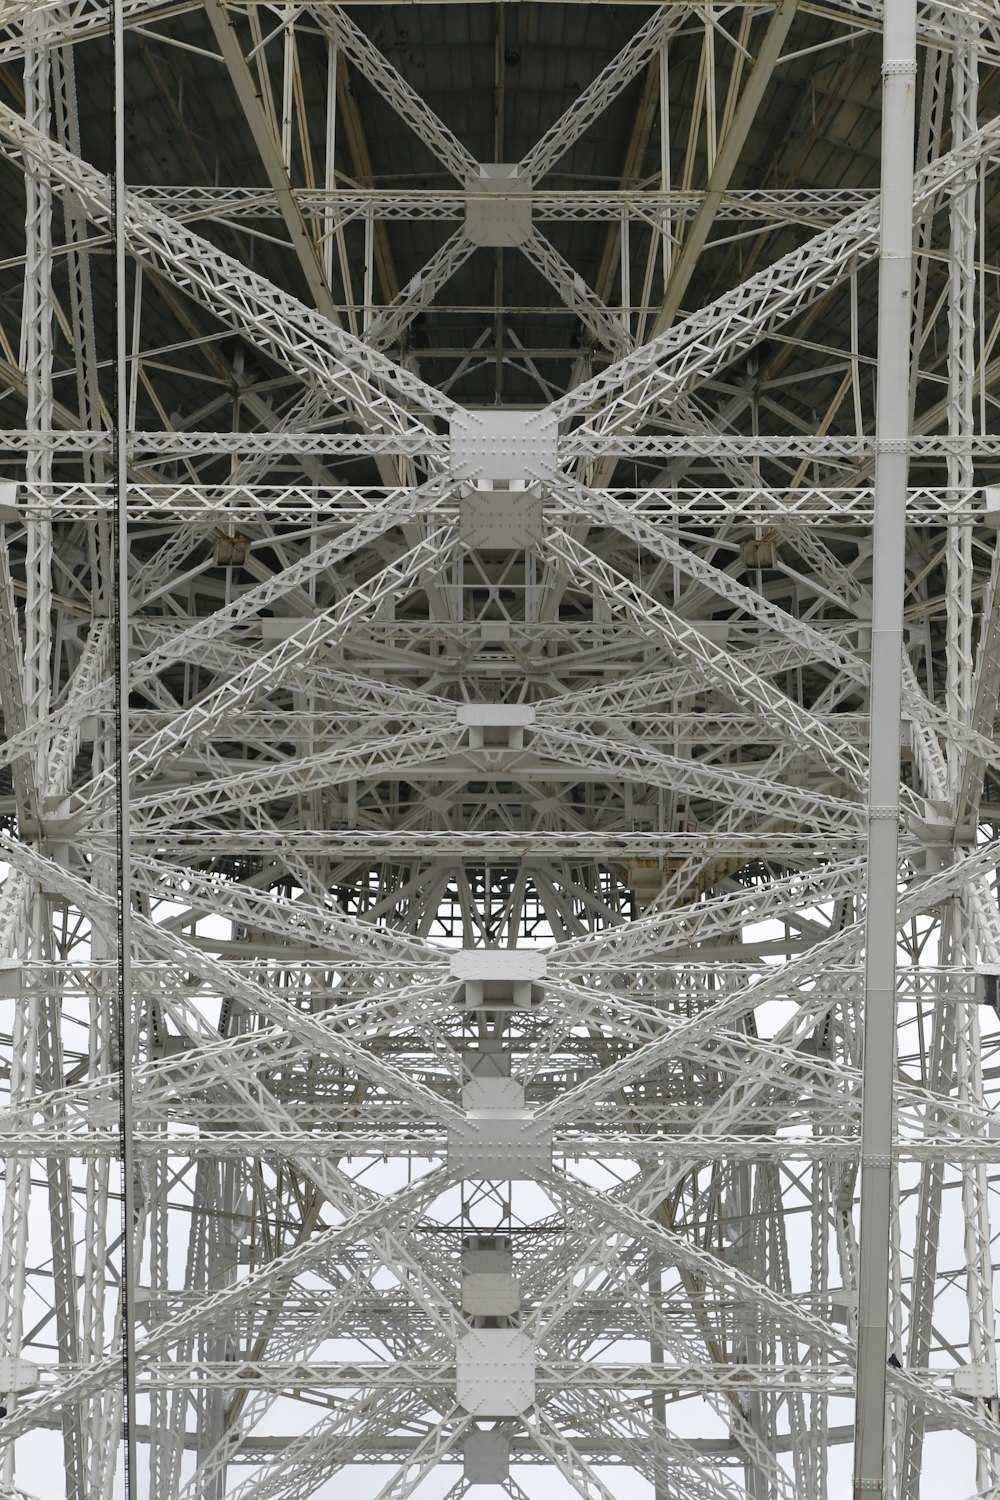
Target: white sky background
<point>948,1460</point>
<point>948,1474</point>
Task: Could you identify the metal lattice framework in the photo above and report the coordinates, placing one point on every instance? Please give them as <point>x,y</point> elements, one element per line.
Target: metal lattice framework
<point>500,659</point>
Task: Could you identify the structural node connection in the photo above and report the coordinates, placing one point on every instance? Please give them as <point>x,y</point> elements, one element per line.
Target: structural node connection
<point>499,783</point>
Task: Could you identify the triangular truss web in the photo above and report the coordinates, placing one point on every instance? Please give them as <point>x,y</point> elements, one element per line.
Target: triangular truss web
<point>499,609</point>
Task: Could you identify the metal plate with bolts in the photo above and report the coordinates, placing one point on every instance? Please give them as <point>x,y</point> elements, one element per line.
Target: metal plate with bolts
<point>498,519</point>
<point>502,444</point>
<point>497,1148</point>
<point>486,1457</point>
<point>491,1296</point>
<point>495,1372</point>
<point>498,206</point>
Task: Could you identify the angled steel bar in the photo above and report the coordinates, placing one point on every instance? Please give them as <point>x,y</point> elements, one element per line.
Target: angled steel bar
<point>629,392</point>
<point>321,354</point>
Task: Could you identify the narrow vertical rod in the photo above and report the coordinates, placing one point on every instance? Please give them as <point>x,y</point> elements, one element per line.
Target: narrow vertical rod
<point>368,311</point>
<point>892,427</point>
<point>126,1020</point>
<point>329,169</point>
<point>658,1399</point>
<point>665,180</point>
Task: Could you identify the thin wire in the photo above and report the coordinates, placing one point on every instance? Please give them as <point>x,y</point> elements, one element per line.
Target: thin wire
<point>126,1025</point>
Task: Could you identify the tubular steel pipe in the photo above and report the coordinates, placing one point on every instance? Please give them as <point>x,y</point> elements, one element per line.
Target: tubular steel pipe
<point>126,1022</point>
<point>899,70</point>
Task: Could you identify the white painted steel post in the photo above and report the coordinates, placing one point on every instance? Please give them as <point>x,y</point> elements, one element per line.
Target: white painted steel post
<point>892,426</point>
<point>126,1037</point>
<point>961,388</point>
<point>23,1053</point>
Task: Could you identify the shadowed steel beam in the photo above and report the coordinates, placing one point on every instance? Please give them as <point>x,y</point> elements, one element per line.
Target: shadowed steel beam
<point>270,155</point>
<point>729,153</point>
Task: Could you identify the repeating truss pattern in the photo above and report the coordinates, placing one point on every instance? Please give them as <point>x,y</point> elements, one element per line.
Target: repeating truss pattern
<point>500,661</point>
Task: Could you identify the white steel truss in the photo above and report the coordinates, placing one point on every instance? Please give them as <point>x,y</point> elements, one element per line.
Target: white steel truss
<point>499,788</point>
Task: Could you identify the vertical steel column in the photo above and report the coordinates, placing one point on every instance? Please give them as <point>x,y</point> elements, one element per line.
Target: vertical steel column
<point>126,1020</point>
<point>976,1212</point>
<point>961,385</point>
<point>77,258</point>
<point>15,908</point>
<point>329,162</point>
<point>960,700</point>
<point>892,425</point>
<point>928,1221</point>
<point>37,346</point>
<point>658,1399</point>
<point>101,1414</point>
<point>38,379</point>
